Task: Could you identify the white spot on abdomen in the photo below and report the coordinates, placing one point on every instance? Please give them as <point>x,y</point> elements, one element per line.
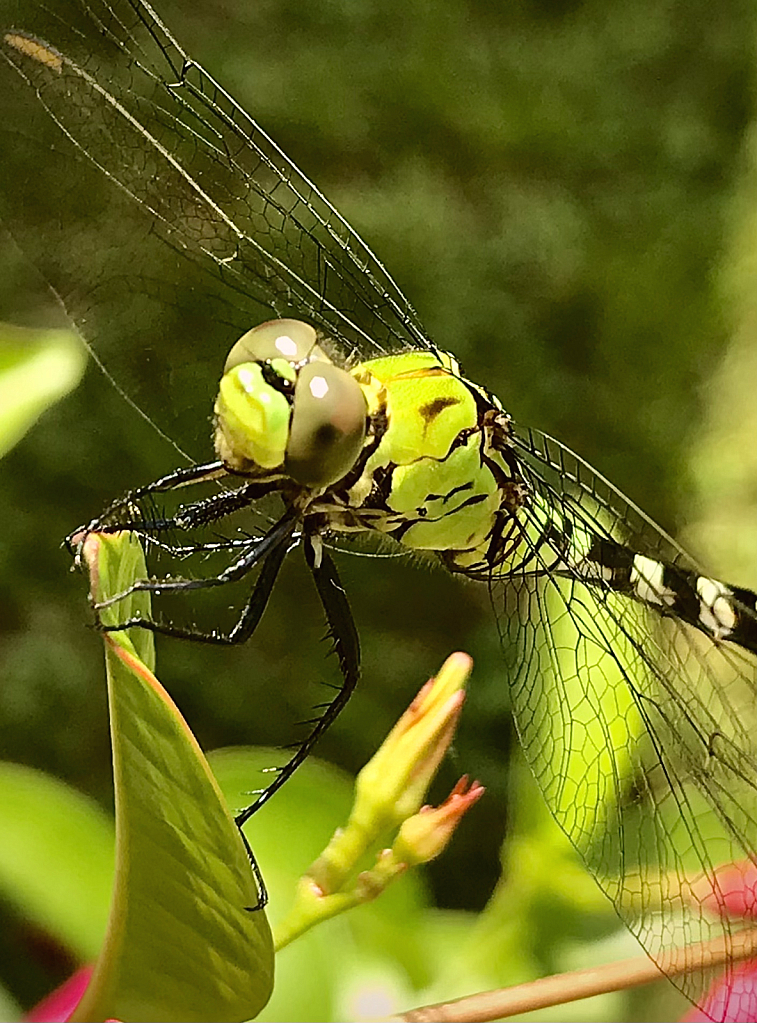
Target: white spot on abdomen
<point>646,579</point>
<point>715,607</point>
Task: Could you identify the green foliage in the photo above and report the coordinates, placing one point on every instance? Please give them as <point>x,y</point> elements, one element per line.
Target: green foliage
<point>56,861</point>
<point>37,368</point>
<point>187,938</point>
<point>329,971</point>
<point>184,940</point>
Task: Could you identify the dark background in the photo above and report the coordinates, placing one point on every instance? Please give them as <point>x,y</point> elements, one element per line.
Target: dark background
<point>550,184</point>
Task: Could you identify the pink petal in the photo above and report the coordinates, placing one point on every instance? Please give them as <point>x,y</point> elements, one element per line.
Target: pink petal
<point>60,1003</point>
<point>733,891</point>
<point>731,999</point>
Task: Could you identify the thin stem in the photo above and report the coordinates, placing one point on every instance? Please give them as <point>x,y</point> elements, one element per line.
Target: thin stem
<point>570,987</point>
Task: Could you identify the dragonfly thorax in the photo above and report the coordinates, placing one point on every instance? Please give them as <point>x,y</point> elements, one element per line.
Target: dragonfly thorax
<point>437,472</point>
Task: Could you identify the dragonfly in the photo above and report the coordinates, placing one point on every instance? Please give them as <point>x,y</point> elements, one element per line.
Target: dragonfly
<point>632,671</point>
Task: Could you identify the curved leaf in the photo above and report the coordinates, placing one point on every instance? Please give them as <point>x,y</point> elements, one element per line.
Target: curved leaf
<point>37,368</point>
<point>187,940</point>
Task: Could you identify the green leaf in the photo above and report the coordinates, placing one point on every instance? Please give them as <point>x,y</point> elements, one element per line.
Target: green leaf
<point>37,368</point>
<point>56,857</point>
<point>115,564</point>
<point>329,971</point>
<point>186,938</point>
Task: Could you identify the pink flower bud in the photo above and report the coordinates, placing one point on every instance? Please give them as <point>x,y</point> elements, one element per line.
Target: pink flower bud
<point>426,834</point>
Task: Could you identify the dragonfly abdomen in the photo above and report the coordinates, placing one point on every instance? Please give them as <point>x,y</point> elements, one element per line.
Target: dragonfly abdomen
<point>445,477</point>
<point>721,611</point>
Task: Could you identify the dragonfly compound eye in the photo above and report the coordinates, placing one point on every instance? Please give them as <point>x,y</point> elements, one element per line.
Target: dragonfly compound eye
<point>283,402</point>
<point>328,425</point>
<point>252,417</point>
<point>292,340</point>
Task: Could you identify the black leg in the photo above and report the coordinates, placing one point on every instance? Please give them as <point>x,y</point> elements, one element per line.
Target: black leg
<point>347,647</point>
<point>188,517</point>
<point>248,620</point>
<point>262,890</point>
<point>256,605</point>
<point>279,533</point>
<point>178,478</point>
<point>198,513</point>
<point>205,473</point>
<point>180,551</point>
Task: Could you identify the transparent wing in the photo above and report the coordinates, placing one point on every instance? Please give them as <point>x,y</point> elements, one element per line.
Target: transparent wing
<point>640,729</point>
<point>164,217</point>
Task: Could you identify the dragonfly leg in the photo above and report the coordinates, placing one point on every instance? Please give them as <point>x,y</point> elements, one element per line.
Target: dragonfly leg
<point>173,480</point>
<point>188,517</point>
<point>191,516</point>
<point>203,473</point>
<point>262,890</point>
<point>347,648</point>
<point>279,533</point>
<point>248,620</point>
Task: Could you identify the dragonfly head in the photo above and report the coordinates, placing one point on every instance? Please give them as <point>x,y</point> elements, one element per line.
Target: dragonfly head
<point>283,404</point>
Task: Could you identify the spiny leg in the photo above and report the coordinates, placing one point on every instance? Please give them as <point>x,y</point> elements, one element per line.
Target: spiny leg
<point>191,516</point>
<point>279,534</point>
<point>347,647</point>
<point>254,866</point>
<point>180,552</point>
<point>248,620</point>
<point>204,512</point>
<point>172,481</point>
<point>205,472</point>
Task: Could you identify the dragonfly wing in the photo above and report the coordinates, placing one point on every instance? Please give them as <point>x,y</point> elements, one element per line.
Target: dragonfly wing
<point>640,729</point>
<point>172,222</point>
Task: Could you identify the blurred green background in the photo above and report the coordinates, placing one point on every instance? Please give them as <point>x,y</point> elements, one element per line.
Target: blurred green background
<point>564,192</point>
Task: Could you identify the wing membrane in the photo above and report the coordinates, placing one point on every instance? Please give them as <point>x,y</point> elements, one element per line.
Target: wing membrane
<point>640,729</point>
<point>172,222</point>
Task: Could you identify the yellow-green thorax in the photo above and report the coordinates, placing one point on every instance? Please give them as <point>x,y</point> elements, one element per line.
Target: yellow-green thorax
<point>434,475</point>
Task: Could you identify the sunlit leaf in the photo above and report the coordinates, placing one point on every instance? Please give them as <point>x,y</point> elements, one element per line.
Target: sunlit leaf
<point>37,368</point>
<point>187,939</point>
